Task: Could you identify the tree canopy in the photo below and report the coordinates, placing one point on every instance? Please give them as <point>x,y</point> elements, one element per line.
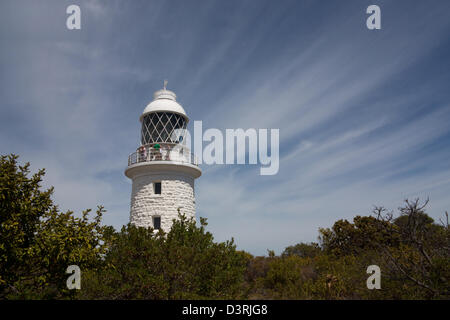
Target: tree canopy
<point>38,242</point>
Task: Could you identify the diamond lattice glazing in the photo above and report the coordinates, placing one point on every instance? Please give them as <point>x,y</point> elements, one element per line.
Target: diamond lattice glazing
<point>159,127</point>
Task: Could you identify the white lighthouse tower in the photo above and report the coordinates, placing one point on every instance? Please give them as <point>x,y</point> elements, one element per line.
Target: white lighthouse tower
<point>162,169</point>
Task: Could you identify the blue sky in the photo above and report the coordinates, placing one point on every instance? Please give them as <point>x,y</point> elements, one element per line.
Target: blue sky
<point>363,115</point>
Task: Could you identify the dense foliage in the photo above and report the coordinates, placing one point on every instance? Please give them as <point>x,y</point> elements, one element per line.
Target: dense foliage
<point>38,243</point>
<point>183,264</point>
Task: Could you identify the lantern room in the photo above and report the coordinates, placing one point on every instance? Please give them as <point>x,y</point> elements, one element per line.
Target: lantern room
<point>164,120</point>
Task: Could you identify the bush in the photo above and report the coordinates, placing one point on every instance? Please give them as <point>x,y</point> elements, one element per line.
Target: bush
<point>37,241</point>
<point>185,263</point>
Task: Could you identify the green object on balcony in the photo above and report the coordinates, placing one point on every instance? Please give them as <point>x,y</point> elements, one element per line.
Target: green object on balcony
<point>157,146</point>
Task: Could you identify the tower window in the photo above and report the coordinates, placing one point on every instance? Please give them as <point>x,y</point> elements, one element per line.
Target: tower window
<point>157,187</point>
<point>157,223</point>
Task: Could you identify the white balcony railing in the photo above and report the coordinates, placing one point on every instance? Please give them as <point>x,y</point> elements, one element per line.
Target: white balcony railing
<point>175,153</point>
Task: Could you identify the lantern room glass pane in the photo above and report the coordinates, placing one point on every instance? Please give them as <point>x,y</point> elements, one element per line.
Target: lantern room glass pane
<point>160,126</point>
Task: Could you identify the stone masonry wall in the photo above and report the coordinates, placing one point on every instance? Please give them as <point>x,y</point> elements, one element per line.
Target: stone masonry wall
<point>177,191</point>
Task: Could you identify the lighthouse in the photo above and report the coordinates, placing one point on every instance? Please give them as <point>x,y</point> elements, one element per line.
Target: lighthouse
<point>163,170</point>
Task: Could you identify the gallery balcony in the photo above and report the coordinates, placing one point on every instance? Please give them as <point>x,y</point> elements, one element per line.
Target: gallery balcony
<point>164,152</point>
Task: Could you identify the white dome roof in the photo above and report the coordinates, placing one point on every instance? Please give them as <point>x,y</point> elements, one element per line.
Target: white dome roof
<point>164,101</point>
